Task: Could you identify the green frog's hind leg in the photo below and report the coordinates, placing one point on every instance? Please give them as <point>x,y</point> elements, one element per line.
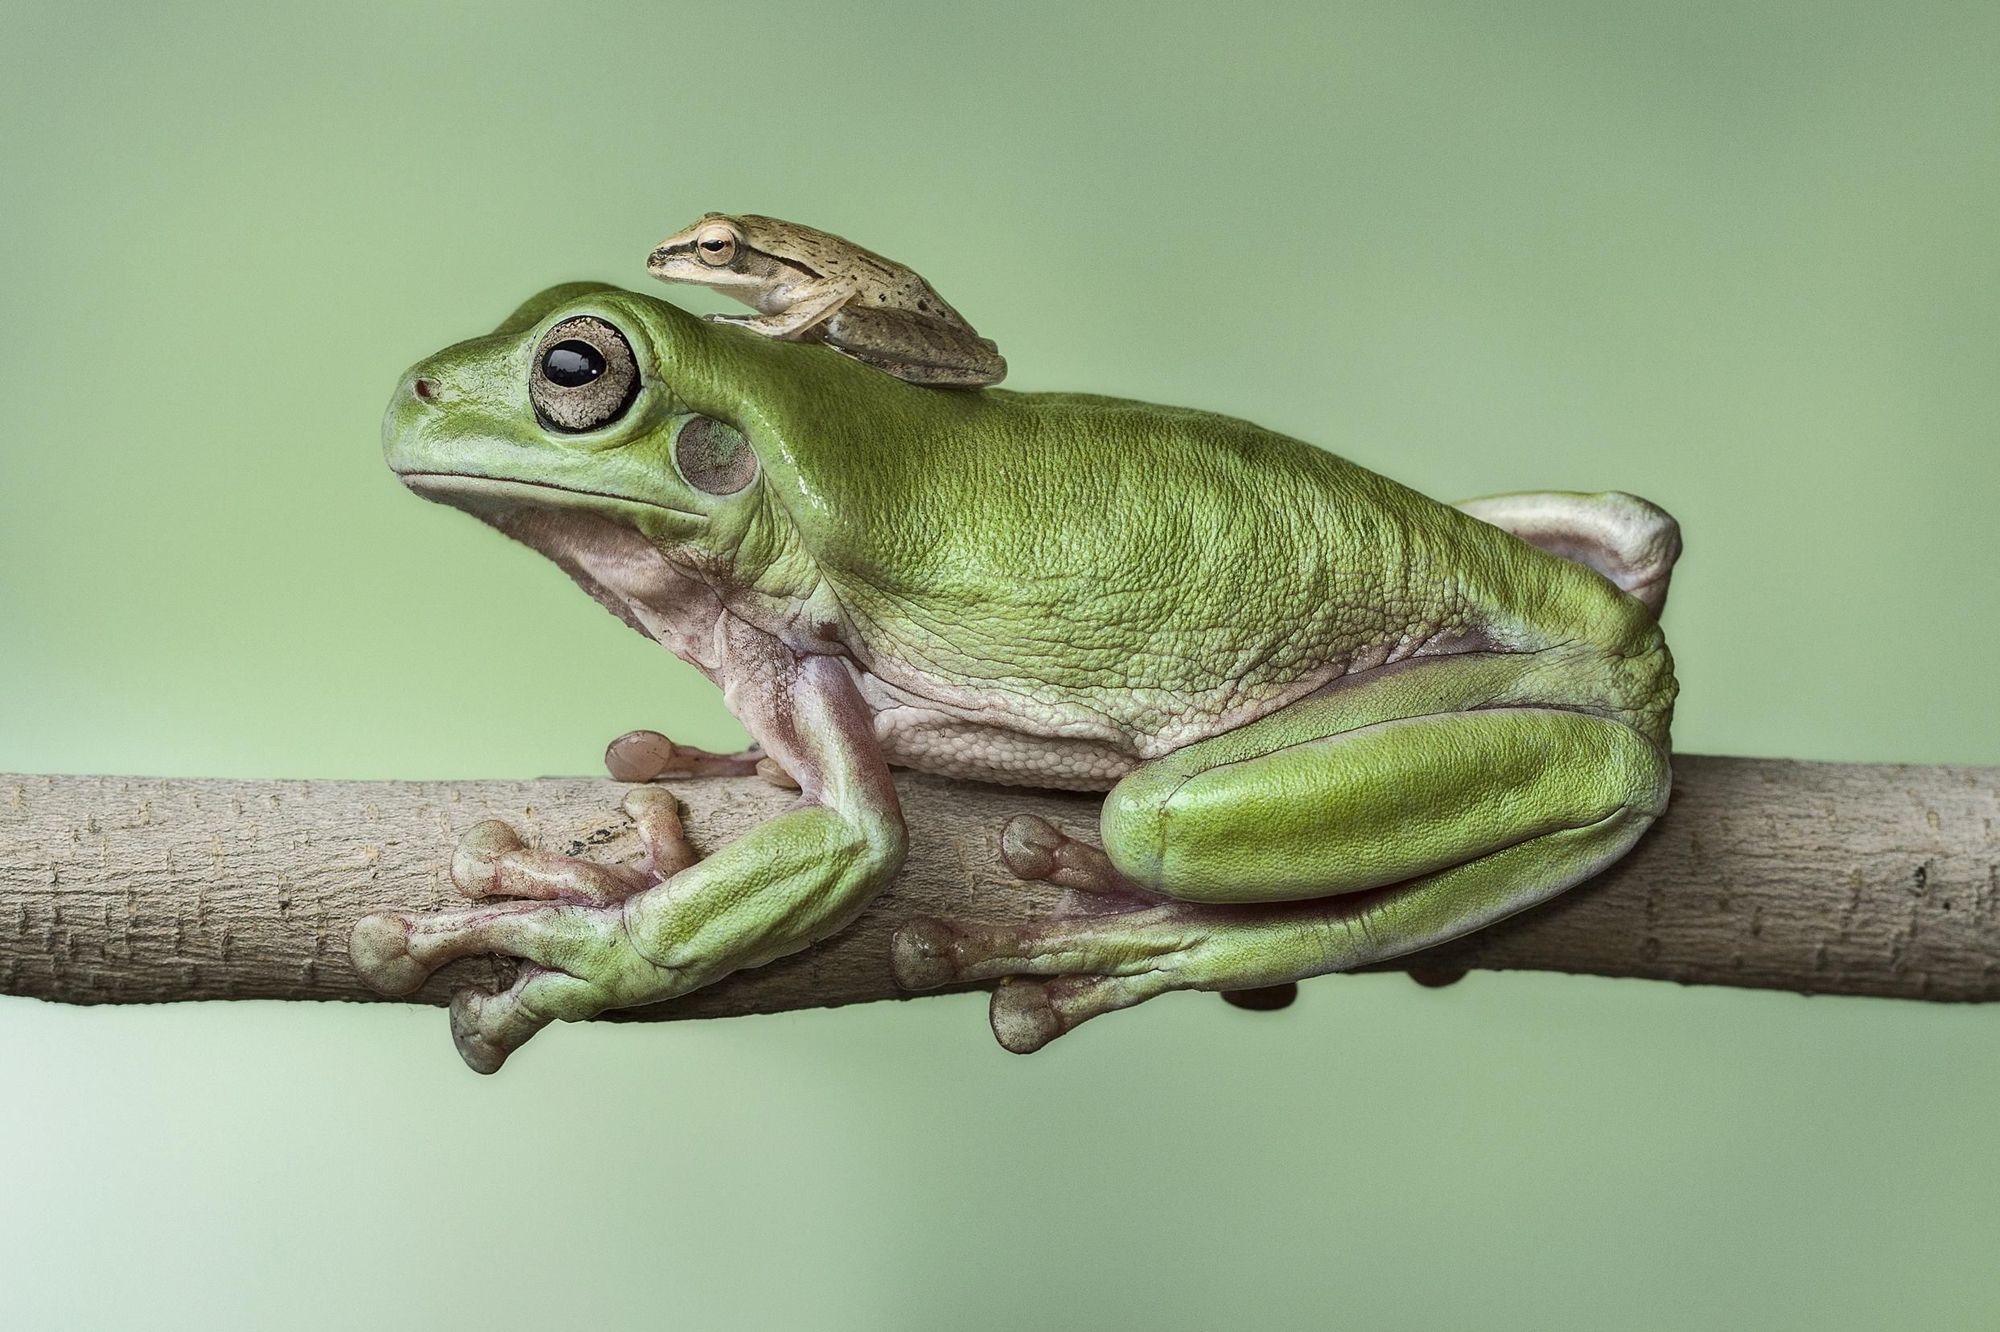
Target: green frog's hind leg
<point>1298,846</point>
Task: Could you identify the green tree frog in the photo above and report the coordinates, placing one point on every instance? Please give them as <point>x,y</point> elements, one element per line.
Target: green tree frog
<point>1336,721</point>
<point>812,285</point>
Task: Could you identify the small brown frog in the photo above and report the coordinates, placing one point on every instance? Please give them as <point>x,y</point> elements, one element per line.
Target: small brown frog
<point>812,285</point>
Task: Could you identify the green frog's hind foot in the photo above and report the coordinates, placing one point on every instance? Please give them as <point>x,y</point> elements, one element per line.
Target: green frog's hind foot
<point>1059,973</point>
<point>562,917</point>
<point>1264,998</point>
<point>1036,850</point>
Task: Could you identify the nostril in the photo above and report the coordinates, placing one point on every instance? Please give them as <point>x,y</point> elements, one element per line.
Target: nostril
<point>425,389</point>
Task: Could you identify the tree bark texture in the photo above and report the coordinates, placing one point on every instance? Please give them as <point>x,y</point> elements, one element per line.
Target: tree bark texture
<point>1815,877</point>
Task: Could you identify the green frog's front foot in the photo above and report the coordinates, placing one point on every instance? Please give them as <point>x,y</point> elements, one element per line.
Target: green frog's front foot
<point>563,917</point>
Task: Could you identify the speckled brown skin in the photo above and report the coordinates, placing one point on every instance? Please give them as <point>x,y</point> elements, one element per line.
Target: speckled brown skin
<point>813,285</point>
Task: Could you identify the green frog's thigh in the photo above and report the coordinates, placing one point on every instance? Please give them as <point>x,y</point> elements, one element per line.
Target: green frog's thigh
<point>1295,806</point>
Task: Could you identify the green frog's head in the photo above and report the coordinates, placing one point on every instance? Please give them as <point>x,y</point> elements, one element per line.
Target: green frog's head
<point>565,406</point>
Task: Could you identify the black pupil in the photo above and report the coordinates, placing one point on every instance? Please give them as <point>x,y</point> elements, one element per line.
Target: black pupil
<point>712,245</point>
<point>572,364</point>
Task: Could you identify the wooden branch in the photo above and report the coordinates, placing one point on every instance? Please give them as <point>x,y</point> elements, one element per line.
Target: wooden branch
<point>1817,877</point>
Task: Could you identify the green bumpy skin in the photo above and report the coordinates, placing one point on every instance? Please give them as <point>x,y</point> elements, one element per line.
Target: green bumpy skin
<point>1337,721</point>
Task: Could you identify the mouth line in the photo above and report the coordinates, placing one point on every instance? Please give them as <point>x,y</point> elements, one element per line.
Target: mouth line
<point>407,477</point>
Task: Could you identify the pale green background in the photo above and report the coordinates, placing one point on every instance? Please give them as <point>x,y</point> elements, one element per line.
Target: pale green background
<point>1738,258</point>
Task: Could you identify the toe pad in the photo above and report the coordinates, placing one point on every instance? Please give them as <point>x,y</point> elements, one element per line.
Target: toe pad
<point>1022,1017</point>
<point>380,949</point>
<point>923,956</point>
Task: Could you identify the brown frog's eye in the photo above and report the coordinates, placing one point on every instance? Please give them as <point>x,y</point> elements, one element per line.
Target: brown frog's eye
<point>713,458</point>
<point>584,375</point>
<point>716,245</point>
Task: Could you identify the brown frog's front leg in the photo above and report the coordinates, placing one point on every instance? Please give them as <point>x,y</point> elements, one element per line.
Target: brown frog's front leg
<point>807,309</point>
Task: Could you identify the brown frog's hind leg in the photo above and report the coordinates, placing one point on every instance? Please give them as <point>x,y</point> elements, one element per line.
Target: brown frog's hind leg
<point>916,348</point>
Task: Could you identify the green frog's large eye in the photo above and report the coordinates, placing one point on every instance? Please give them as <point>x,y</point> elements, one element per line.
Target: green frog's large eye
<point>584,375</point>
<point>713,458</point>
